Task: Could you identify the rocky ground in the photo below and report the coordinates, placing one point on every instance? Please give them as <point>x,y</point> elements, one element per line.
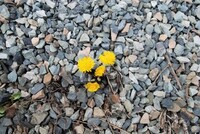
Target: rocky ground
<point>157,44</point>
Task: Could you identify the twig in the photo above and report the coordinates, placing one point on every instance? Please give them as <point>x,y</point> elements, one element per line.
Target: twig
<point>114,126</point>
<point>120,76</point>
<point>187,91</point>
<point>110,85</point>
<point>158,77</point>
<point>173,72</point>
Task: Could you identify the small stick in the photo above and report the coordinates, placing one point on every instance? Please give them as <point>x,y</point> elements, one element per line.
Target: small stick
<point>110,85</point>
<point>173,72</point>
<point>158,77</point>
<point>120,74</point>
<point>187,91</point>
<point>110,124</point>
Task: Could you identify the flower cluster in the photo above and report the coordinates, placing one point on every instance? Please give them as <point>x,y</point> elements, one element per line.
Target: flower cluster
<point>86,65</point>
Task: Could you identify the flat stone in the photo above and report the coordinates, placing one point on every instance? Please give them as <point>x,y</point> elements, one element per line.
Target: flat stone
<point>159,94</point>
<point>175,108</point>
<point>163,37</point>
<point>48,38</point>
<point>64,123</point>
<point>12,76</point>
<point>99,100</point>
<point>37,118</point>
<point>54,69</point>
<point>4,12</point>
<point>128,105</point>
<point>3,56</point>
<point>183,59</point>
<point>84,38</point>
<point>72,4</point>
<point>179,16</point>
<point>118,50</point>
<point>197,11</point>
<point>41,13</point>
<point>196,40</point>
<point>36,88</point>
<point>126,28</point>
<point>193,90</point>
<point>44,130</point>
<point>35,41</point>
<point>81,96</point>
<point>69,111</point>
<point>98,112</point>
<point>179,49</point>
<point>172,44</point>
<point>133,78</point>
<point>145,119</point>
<point>88,114</point>
<point>132,58</point>
<point>158,16</point>
<point>167,103</point>
<point>79,129</point>
<point>50,3</point>
<point>47,78</point>
<point>38,95</point>
<point>195,129</point>
<point>154,114</point>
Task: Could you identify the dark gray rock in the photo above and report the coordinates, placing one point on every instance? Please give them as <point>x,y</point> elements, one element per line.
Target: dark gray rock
<point>81,96</point>
<point>197,111</point>
<point>64,123</point>
<point>167,103</point>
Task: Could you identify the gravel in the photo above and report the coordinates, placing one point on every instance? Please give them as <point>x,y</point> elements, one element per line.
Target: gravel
<point>41,42</point>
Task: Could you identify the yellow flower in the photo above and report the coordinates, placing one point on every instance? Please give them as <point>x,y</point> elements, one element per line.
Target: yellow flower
<point>107,58</point>
<point>100,71</point>
<point>92,86</point>
<point>85,64</point>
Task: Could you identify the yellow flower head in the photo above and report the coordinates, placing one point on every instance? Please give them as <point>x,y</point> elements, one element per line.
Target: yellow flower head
<point>107,58</point>
<point>85,64</point>
<point>92,86</point>
<point>100,71</point>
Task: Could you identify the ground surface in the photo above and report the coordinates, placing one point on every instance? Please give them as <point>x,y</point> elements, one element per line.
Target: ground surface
<point>155,81</point>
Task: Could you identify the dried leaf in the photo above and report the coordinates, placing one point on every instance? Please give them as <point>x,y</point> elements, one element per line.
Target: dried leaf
<point>115,98</point>
<point>162,119</point>
<point>10,112</point>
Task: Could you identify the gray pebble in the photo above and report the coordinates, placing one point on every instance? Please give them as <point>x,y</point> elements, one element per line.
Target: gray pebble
<point>92,122</point>
<point>12,76</point>
<point>167,103</point>
<point>81,96</point>
<point>55,69</point>
<point>64,123</point>
<point>4,12</point>
<point>99,100</point>
<point>36,88</point>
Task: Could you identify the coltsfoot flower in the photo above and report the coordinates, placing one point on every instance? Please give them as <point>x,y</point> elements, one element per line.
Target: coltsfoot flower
<point>107,58</point>
<point>100,71</point>
<point>92,86</point>
<point>86,64</point>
